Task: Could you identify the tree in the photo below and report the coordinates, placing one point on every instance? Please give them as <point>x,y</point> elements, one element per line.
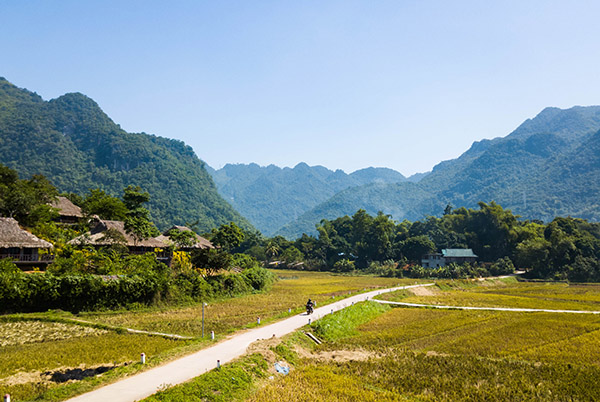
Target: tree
<point>291,255</point>
<point>97,202</point>
<point>26,200</point>
<point>343,265</point>
<point>182,238</point>
<point>272,249</point>
<point>228,237</point>
<point>137,221</point>
<point>414,248</point>
<point>212,260</point>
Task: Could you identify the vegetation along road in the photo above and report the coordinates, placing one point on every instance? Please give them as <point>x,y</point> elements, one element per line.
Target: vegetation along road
<point>144,384</point>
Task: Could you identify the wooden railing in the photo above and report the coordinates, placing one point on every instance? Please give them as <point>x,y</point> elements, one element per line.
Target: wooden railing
<point>28,257</point>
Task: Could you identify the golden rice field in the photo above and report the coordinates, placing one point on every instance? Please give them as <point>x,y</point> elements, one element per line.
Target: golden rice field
<point>31,348</point>
<point>224,316</point>
<point>420,354</point>
<point>506,293</point>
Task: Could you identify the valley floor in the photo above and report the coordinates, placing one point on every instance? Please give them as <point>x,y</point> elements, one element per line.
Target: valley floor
<point>373,352</point>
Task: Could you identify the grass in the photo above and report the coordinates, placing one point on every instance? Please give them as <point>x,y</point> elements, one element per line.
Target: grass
<point>233,382</point>
<point>21,366</point>
<point>22,332</point>
<point>53,341</point>
<point>343,324</point>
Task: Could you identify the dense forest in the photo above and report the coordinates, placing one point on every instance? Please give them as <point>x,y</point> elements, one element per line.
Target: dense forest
<point>73,143</point>
<point>566,248</point>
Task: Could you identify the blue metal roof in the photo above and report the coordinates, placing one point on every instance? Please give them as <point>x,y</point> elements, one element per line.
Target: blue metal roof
<point>458,252</point>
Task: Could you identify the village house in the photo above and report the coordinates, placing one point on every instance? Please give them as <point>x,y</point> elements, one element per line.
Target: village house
<point>68,213</point>
<point>108,233</point>
<point>200,242</point>
<point>22,247</point>
<point>447,256</point>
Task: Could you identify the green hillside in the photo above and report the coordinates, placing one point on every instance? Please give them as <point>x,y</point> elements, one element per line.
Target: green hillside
<point>72,142</point>
<point>547,167</point>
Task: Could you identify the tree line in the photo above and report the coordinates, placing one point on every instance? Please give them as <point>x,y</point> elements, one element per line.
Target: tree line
<point>565,248</point>
<point>85,277</point>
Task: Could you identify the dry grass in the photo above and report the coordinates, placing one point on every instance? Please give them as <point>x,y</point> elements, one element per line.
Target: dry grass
<point>22,332</point>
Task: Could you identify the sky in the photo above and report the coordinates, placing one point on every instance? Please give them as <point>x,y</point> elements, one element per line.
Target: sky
<point>344,84</point>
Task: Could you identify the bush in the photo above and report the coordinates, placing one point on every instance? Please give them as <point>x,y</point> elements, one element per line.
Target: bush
<point>503,266</point>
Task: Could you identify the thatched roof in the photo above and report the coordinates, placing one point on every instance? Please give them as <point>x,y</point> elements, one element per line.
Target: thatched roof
<point>11,235</point>
<point>66,207</point>
<point>201,242</point>
<point>97,236</point>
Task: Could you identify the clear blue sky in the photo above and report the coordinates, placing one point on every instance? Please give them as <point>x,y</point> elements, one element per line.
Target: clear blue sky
<point>345,84</point>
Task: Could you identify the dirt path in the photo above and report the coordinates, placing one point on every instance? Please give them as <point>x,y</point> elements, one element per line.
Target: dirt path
<point>144,384</point>
<point>130,330</point>
<point>526,310</point>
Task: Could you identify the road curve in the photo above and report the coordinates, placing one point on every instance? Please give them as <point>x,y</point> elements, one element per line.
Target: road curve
<point>142,385</point>
<point>526,310</point>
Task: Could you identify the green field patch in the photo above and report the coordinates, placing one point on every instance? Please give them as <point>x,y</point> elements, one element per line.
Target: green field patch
<point>232,382</point>
<point>343,323</point>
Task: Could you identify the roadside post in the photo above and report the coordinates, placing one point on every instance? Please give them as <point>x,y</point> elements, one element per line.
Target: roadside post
<point>203,305</point>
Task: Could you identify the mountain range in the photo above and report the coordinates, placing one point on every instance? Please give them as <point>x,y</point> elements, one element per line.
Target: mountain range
<point>72,142</point>
<point>271,197</point>
<point>548,166</point>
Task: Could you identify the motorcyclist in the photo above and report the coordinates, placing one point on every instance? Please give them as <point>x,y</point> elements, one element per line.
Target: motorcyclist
<point>309,306</point>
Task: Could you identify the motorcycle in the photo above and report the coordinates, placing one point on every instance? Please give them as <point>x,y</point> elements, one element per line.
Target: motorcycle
<point>309,309</point>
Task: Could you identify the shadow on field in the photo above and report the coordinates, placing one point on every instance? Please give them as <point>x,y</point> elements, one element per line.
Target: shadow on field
<point>61,376</point>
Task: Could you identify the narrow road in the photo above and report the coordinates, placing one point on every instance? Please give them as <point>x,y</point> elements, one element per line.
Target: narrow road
<point>144,384</point>
<point>526,310</point>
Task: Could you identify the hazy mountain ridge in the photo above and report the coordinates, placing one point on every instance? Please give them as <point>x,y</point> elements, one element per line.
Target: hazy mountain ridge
<point>546,167</point>
<point>271,196</point>
<point>77,146</point>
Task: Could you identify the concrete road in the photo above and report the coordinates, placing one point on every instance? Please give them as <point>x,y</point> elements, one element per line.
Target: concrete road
<point>144,384</point>
<point>515,309</point>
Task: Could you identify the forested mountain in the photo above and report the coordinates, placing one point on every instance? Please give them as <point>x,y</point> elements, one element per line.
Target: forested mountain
<point>548,166</point>
<point>271,196</point>
<point>72,142</point>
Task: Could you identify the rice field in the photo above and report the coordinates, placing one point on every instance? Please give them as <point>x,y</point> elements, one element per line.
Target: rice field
<point>419,354</point>
<point>506,293</point>
<point>291,291</point>
<point>33,347</point>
